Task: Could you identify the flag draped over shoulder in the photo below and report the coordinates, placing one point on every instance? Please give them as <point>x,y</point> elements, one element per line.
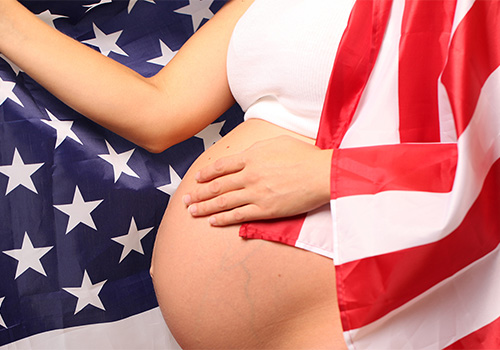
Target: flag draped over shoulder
<point>79,205</point>
<point>414,110</point>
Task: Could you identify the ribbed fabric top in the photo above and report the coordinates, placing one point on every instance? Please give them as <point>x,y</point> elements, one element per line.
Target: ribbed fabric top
<point>280,58</point>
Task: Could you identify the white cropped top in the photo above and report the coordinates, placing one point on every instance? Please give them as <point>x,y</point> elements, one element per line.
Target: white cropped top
<point>280,59</point>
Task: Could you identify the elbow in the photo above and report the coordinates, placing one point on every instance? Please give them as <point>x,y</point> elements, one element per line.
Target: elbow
<point>155,144</point>
<point>154,148</point>
<point>158,140</point>
<point>155,133</point>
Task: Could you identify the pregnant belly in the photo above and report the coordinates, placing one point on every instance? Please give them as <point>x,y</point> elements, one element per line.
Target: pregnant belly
<point>217,290</point>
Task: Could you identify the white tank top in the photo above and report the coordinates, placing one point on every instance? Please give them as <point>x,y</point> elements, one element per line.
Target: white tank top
<point>280,59</point>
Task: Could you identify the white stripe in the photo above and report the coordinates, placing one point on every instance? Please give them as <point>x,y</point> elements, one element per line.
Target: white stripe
<point>144,331</point>
<point>369,225</point>
<point>316,232</point>
<point>377,118</point>
<point>442,315</point>
<point>447,127</point>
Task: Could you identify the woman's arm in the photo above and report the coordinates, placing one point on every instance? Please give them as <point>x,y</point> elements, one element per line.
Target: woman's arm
<point>155,113</point>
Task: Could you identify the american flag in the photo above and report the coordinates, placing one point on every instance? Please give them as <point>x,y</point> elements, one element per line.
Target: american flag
<point>416,181</point>
<point>79,205</point>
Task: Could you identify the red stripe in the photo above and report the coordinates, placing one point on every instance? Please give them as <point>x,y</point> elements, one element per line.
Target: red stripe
<point>425,35</point>
<point>355,59</point>
<point>474,55</point>
<point>372,287</point>
<point>416,167</point>
<point>487,337</point>
<point>280,230</point>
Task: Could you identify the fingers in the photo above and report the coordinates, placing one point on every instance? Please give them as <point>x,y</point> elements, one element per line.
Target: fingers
<point>236,216</point>
<point>221,167</point>
<point>221,203</point>
<point>212,189</point>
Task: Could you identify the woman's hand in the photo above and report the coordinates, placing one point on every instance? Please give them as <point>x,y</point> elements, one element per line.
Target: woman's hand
<point>276,178</point>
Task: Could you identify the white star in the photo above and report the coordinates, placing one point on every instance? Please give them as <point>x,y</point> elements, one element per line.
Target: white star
<point>2,323</point>
<point>49,18</point>
<point>87,293</point>
<point>106,42</point>
<point>102,2</point>
<point>79,211</point>
<point>28,257</point>
<point>175,181</point>
<point>211,134</point>
<point>119,162</point>
<point>132,240</point>
<point>63,129</point>
<point>132,3</point>
<point>198,10</point>
<point>7,91</point>
<point>19,173</point>
<point>166,55</point>
<point>12,65</point>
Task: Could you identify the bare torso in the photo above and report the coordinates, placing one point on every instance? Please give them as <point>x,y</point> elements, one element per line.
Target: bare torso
<point>217,290</point>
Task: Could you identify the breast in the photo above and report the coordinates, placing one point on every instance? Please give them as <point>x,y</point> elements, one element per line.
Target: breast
<point>280,59</point>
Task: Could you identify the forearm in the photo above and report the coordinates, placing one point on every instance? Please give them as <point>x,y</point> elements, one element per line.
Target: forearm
<point>94,85</point>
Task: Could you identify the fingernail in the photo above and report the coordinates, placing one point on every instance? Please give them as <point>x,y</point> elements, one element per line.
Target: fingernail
<point>212,221</point>
<point>192,209</point>
<point>186,199</point>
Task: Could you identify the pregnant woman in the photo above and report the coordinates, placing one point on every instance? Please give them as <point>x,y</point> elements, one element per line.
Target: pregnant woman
<point>273,57</point>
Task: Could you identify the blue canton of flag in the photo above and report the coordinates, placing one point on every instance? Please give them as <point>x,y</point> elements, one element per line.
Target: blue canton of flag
<point>79,205</point>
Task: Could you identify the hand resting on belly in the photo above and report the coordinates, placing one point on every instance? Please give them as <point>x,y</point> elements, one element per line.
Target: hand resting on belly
<point>278,177</point>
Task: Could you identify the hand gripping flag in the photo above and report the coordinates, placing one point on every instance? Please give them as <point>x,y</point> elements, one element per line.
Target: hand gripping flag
<point>79,205</point>
<point>413,115</point>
